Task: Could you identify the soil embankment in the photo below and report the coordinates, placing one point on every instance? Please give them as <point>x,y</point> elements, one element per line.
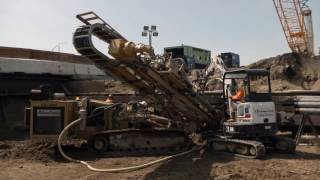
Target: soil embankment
<point>292,72</point>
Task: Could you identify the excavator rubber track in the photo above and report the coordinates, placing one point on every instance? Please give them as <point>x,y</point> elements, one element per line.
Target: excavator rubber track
<point>241,148</point>
<point>139,142</point>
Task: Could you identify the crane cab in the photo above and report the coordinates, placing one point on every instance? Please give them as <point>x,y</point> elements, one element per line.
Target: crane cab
<point>253,114</point>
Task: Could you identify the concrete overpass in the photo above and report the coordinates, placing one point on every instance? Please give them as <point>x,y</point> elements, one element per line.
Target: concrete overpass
<point>24,69</point>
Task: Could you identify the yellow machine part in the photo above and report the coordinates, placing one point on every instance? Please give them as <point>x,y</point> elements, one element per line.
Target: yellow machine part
<point>69,113</point>
<point>125,50</point>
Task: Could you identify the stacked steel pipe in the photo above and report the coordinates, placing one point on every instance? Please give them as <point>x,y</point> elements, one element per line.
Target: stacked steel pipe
<point>302,104</point>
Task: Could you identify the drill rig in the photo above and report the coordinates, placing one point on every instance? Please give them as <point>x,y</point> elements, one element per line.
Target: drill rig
<point>164,76</point>
<point>187,110</point>
<point>182,115</point>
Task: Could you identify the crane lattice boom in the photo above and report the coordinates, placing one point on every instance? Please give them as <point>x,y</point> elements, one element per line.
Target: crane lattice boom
<point>291,16</point>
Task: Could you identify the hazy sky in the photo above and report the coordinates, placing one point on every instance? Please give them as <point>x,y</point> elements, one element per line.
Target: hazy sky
<point>248,27</point>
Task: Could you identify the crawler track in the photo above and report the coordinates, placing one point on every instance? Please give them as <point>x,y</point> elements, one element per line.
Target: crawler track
<point>242,148</point>
<point>138,142</point>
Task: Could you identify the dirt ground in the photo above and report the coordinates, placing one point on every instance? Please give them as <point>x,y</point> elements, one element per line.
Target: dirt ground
<point>19,161</point>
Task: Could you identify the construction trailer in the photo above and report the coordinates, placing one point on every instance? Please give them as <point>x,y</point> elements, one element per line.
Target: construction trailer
<point>195,58</point>
<point>231,60</point>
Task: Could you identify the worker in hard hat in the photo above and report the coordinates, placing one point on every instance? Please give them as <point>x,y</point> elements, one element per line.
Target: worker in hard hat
<point>236,99</point>
<point>239,95</point>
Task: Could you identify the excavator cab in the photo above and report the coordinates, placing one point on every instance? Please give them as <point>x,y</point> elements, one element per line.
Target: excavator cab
<point>251,112</point>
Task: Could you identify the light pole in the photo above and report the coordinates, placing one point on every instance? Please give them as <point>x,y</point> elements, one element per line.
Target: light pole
<point>150,31</point>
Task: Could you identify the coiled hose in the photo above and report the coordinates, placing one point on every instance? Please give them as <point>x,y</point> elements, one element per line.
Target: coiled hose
<point>116,170</point>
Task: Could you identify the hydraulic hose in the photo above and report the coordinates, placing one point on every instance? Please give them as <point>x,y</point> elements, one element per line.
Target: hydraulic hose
<point>105,107</point>
<point>116,170</point>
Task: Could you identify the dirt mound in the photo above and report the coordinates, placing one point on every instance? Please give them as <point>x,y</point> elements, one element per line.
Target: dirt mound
<point>43,151</point>
<point>291,71</point>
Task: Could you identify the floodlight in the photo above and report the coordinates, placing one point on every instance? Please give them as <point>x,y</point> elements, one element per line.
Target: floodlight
<point>155,33</point>
<point>153,28</point>
<point>144,33</point>
<point>150,31</point>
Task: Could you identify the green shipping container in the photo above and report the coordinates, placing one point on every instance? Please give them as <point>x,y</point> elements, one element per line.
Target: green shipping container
<point>195,58</point>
